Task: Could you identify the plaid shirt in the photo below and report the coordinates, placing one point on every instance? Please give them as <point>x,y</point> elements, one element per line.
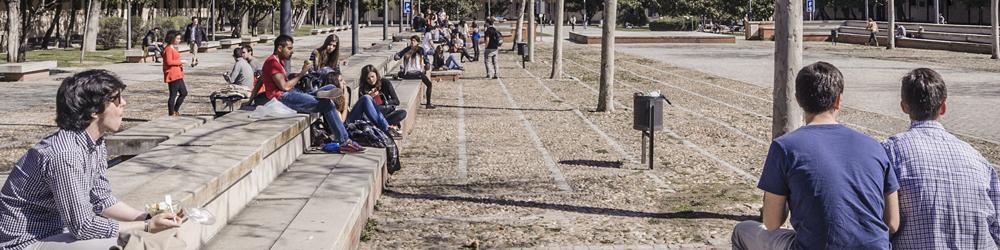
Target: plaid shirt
<point>948,195</point>
<point>59,186</point>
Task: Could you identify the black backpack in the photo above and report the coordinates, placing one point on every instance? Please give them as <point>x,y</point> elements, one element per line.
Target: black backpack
<point>366,134</point>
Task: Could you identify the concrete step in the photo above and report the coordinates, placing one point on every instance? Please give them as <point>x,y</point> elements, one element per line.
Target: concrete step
<point>322,202</point>
<point>146,136</point>
<point>411,94</point>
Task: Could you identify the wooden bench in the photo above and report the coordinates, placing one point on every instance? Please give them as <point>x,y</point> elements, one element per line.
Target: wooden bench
<point>229,43</point>
<point>208,46</point>
<point>446,75</point>
<point>25,71</point>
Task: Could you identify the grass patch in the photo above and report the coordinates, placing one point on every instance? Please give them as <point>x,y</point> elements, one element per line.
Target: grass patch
<point>70,57</point>
<point>369,231</point>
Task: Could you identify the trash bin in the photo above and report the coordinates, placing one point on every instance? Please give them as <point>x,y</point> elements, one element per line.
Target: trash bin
<point>521,48</point>
<point>644,104</point>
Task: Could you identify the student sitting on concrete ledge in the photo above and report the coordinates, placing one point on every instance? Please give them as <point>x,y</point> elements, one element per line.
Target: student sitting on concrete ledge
<point>414,66</point>
<point>276,85</point>
<point>58,195</point>
<point>363,109</point>
<point>384,95</point>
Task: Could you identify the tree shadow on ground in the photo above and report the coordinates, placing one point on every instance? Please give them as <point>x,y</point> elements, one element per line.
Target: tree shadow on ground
<point>502,108</point>
<point>593,163</point>
<point>573,208</point>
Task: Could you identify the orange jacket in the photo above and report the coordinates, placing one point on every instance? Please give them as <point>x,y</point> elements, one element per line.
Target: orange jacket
<point>172,67</point>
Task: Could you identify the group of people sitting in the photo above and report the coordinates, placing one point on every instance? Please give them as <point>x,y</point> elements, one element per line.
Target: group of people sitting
<point>920,189</point>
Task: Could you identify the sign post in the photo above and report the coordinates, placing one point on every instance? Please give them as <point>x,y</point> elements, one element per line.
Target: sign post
<point>810,8</point>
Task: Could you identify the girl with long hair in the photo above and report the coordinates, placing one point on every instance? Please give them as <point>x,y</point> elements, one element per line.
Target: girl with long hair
<point>173,73</point>
<point>327,55</point>
<point>382,94</point>
<point>363,109</point>
<point>415,66</point>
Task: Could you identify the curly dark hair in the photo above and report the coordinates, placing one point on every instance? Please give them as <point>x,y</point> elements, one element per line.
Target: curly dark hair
<point>83,94</point>
<point>817,87</point>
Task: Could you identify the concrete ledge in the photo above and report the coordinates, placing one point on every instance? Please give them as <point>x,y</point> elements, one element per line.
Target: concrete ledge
<point>134,56</point>
<point>265,38</point>
<point>410,93</point>
<point>920,43</point>
<point>25,71</point>
<point>248,40</point>
<point>655,37</point>
<point>209,46</point>
<point>228,43</point>
<point>146,136</point>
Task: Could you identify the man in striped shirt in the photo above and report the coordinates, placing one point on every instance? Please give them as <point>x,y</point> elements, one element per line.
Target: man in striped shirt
<point>58,195</point>
<point>948,195</point>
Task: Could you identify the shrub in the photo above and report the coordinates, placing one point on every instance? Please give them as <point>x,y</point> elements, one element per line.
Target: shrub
<point>632,14</point>
<point>112,30</point>
<point>669,24</point>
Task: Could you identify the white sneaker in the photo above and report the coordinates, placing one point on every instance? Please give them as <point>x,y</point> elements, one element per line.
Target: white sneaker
<point>330,94</point>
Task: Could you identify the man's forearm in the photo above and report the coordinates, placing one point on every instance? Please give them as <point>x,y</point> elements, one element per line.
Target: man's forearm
<point>123,212</point>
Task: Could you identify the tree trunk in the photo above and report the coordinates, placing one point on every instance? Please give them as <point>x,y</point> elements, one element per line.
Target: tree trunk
<point>13,29</point>
<point>518,25</point>
<point>996,32</point>
<point>93,26</point>
<point>787,60</point>
<point>52,26</point>
<point>606,95</point>
<point>557,48</point>
<point>891,10</point>
<point>71,27</point>
<point>531,31</point>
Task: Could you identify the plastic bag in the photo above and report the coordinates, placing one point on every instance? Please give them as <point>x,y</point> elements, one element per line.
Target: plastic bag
<point>273,109</point>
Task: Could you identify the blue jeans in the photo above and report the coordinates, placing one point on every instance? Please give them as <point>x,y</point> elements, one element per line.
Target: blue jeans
<point>308,103</point>
<point>365,109</point>
<point>451,62</point>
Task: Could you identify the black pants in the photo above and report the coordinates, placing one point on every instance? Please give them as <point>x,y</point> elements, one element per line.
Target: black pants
<point>872,39</point>
<point>177,93</point>
<point>423,78</point>
<point>475,47</point>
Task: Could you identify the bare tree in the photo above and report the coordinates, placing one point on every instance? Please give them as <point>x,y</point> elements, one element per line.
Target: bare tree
<point>996,32</point>
<point>531,31</point>
<point>606,95</point>
<point>93,26</point>
<point>557,48</point>
<point>518,26</point>
<point>13,29</point>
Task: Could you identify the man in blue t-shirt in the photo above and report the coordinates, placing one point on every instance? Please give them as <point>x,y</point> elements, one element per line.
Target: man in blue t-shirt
<point>836,181</point>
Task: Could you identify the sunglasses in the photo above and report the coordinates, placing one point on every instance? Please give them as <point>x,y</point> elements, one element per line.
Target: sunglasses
<point>116,99</point>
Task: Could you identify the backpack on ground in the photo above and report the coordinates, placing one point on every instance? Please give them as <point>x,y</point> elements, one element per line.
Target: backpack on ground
<point>366,134</point>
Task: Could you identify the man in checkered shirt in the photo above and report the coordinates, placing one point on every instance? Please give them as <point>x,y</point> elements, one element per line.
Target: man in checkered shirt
<point>58,196</point>
<point>948,195</point>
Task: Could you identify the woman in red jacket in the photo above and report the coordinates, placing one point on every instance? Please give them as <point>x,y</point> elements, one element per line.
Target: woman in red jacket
<point>173,73</point>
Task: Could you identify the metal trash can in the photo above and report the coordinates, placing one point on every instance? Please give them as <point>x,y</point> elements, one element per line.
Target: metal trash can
<point>522,48</point>
<point>642,106</point>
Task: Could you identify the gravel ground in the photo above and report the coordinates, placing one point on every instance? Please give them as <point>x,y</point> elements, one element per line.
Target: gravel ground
<point>505,192</point>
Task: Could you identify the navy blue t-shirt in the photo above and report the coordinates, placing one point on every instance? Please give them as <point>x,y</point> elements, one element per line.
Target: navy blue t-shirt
<point>835,180</point>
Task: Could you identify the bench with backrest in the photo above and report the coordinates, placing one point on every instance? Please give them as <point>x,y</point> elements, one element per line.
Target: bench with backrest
<point>26,71</point>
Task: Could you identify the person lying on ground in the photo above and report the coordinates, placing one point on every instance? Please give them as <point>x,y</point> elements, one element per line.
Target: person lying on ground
<point>837,182</point>
<point>948,193</point>
<point>57,196</point>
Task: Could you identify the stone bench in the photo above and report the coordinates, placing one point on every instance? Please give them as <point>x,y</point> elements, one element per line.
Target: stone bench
<point>25,71</point>
<point>446,75</point>
<point>248,41</point>
<point>265,38</point>
<point>330,196</point>
<point>208,46</point>
<point>219,166</point>
<point>229,43</point>
<point>135,56</point>
<point>148,135</point>
<point>411,94</point>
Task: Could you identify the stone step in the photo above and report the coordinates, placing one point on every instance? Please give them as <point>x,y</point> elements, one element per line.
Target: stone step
<point>146,136</point>
<point>321,202</point>
<point>411,94</point>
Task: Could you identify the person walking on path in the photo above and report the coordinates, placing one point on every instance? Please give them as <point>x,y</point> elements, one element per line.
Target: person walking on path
<point>58,196</point>
<point>415,66</point>
<point>173,74</point>
<point>490,54</point>
<point>948,193</point>
<point>194,34</point>
<point>872,28</point>
<point>836,181</point>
